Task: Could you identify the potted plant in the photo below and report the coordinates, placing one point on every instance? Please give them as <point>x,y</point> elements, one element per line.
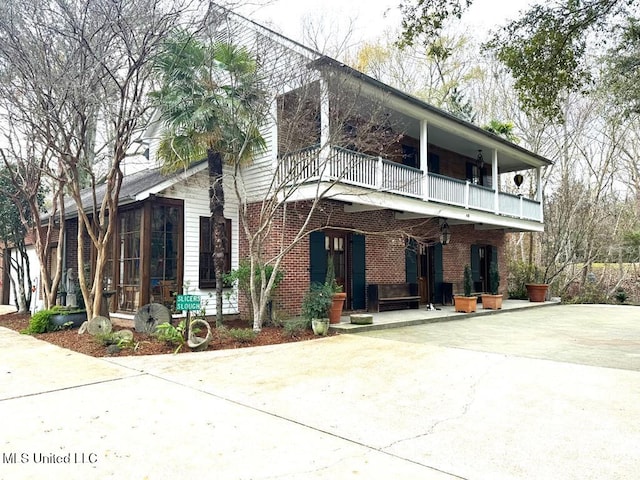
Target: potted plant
<point>315,307</point>
<point>466,303</point>
<point>493,300</point>
<point>73,317</point>
<point>536,289</point>
<point>338,296</point>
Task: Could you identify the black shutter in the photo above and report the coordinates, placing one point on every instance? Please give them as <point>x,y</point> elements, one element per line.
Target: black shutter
<point>475,263</point>
<point>358,255</point>
<point>438,272</point>
<point>411,261</point>
<point>317,258</point>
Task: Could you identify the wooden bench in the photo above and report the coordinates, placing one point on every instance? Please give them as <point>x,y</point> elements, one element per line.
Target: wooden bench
<point>397,295</point>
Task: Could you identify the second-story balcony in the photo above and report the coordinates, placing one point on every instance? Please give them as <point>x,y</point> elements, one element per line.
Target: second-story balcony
<point>347,167</point>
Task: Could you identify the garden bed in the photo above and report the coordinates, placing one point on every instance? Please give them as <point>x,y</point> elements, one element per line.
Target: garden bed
<point>144,344</point>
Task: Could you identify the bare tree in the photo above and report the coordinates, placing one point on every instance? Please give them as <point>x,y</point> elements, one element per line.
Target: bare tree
<point>330,35</point>
<point>27,154</point>
<point>82,68</point>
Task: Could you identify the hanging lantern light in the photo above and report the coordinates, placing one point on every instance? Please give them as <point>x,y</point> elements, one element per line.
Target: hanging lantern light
<point>480,160</point>
<point>445,233</point>
<point>518,179</point>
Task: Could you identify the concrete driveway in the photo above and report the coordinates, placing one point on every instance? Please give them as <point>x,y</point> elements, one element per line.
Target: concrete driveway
<point>536,394</point>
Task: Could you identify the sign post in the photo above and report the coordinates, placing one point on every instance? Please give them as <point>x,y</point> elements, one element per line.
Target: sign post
<point>188,303</point>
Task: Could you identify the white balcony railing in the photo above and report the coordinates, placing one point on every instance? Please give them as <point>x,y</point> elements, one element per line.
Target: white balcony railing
<point>349,167</point>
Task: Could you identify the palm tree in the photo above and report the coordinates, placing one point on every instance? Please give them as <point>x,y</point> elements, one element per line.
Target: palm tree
<point>209,100</point>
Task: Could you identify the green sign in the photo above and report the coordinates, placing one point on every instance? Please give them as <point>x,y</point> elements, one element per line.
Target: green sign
<point>187,302</point>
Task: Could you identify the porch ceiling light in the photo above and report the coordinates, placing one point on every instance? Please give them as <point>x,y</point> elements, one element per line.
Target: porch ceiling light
<point>445,233</point>
<point>480,160</point>
<point>518,179</point>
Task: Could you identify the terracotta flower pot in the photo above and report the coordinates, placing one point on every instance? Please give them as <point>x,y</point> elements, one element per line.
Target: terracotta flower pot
<point>491,302</point>
<point>465,304</point>
<point>336,309</point>
<point>537,291</point>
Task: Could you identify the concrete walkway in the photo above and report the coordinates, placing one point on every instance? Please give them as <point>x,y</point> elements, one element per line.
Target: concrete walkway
<point>419,316</point>
<point>530,394</point>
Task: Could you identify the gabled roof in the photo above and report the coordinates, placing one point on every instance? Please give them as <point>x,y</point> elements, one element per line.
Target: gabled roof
<point>328,62</point>
<point>135,187</point>
<point>512,154</point>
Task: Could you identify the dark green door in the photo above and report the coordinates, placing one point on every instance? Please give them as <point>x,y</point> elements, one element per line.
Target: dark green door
<point>481,258</point>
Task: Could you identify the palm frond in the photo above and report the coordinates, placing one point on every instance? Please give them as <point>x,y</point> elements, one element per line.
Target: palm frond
<point>208,99</point>
<point>180,151</point>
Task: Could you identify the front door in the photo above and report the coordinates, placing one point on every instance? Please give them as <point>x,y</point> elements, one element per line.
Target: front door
<point>424,266</point>
<point>482,256</point>
<point>335,246</point>
<point>347,252</point>
<point>426,273</point>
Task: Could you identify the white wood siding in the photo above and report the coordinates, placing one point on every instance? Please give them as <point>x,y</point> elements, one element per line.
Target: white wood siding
<point>194,191</point>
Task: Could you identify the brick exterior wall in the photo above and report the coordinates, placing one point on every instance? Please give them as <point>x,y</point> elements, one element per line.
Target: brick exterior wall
<point>385,240</point>
<point>71,256</point>
<point>457,254</point>
<point>71,252</point>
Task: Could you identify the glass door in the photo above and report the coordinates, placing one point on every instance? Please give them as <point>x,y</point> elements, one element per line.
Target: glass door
<point>335,247</point>
<point>128,290</point>
<point>165,232</point>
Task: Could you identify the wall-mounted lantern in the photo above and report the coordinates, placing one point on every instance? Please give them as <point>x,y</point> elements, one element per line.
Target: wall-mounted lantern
<point>445,233</point>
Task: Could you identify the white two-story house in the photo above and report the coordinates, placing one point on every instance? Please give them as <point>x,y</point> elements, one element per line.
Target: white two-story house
<point>409,193</point>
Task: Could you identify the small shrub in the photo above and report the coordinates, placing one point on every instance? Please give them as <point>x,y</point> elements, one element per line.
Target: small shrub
<point>467,281</point>
<point>621,296</point>
<point>278,319</point>
<point>295,327</point>
<point>114,338</point>
<point>172,335</point>
<point>40,322</point>
<point>242,335</point>
<point>242,276</point>
<point>494,278</point>
<point>64,326</point>
<point>317,301</point>
<point>105,339</point>
<point>63,310</point>
<point>589,293</point>
<point>521,273</point>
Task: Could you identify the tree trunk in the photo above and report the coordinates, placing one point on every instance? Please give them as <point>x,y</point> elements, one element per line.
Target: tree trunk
<point>216,205</point>
<point>82,280</point>
<point>19,291</point>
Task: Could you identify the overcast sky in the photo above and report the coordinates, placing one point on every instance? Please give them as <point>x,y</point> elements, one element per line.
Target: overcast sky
<point>374,16</point>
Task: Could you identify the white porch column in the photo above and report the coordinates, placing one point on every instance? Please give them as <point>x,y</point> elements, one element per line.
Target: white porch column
<point>424,159</point>
<point>494,182</point>
<point>325,140</point>
<point>539,191</point>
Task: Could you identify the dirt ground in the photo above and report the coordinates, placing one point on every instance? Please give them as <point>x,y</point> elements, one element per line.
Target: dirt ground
<point>144,344</point>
